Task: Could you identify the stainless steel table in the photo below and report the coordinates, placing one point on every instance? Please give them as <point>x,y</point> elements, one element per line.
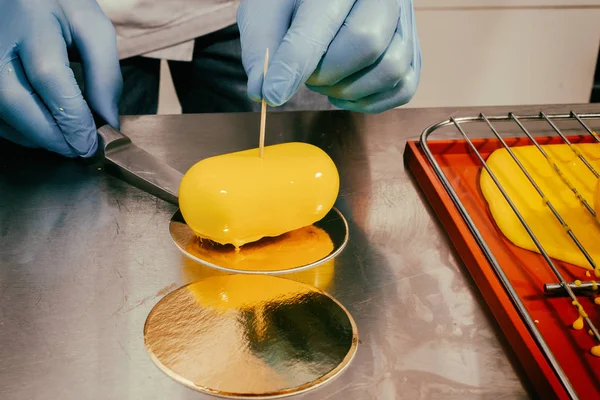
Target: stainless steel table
<point>84,257</point>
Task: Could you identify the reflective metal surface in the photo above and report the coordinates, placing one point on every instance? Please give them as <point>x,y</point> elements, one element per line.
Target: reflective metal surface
<point>580,287</point>
<point>84,257</point>
<point>294,251</point>
<point>250,336</point>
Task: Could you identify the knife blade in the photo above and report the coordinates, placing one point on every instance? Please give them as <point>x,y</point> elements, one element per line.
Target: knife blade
<point>136,166</point>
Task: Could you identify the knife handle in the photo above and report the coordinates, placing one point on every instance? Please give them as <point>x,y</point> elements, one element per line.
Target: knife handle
<point>108,135</point>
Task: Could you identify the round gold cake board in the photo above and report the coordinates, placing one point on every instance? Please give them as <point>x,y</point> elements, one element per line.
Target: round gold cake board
<point>292,252</point>
<point>250,336</point>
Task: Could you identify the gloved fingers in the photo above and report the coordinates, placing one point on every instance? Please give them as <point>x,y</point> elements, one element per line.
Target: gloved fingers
<point>383,75</point>
<point>359,43</point>
<point>96,42</point>
<point>314,25</point>
<point>262,25</point>
<point>44,57</point>
<point>9,133</point>
<point>25,118</point>
<point>405,89</point>
<point>399,95</point>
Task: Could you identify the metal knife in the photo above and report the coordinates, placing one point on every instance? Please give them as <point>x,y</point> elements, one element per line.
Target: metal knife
<point>136,166</point>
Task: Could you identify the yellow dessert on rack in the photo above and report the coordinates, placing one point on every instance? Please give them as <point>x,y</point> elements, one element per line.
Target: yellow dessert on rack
<point>558,190</point>
<point>240,197</point>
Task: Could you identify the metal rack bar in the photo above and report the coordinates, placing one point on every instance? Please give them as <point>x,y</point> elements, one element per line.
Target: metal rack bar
<point>557,288</point>
<point>564,286</point>
<point>554,165</point>
<point>591,132</point>
<point>574,149</point>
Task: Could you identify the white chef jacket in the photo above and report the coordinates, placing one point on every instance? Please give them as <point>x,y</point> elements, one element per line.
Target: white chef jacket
<point>166,28</point>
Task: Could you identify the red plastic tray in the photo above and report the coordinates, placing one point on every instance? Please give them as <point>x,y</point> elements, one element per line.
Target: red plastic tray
<point>527,271</point>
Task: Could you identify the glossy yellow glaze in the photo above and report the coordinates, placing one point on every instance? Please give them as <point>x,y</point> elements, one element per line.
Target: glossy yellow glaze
<point>291,250</point>
<point>578,324</point>
<point>579,308</point>
<point>596,351</point>
<point>533,208</point>
<point>597,300</point>
<point>239,198</point>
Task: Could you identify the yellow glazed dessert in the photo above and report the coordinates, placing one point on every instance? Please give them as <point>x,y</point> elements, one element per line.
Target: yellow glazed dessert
<point>239,198</point>
<point>557,189</point>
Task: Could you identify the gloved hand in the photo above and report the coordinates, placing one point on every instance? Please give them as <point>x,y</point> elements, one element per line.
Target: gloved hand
<point>363,54</point>
<point>41,104</point>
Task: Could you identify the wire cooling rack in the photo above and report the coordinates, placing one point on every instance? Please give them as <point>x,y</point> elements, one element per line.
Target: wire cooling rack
<point>516,133</point>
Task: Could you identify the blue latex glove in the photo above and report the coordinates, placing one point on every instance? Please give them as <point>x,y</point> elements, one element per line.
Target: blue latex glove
<point>363,54</point>
<point>41,104</point>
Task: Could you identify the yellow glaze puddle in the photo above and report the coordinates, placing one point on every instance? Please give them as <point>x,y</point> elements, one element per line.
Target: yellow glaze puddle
<point>578,324</point>
<point>551,234</point>
<point>239,198</point>
<point>293,249</point>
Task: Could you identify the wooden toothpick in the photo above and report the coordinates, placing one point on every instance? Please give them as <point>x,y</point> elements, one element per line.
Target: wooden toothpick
<point>263,113</point>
